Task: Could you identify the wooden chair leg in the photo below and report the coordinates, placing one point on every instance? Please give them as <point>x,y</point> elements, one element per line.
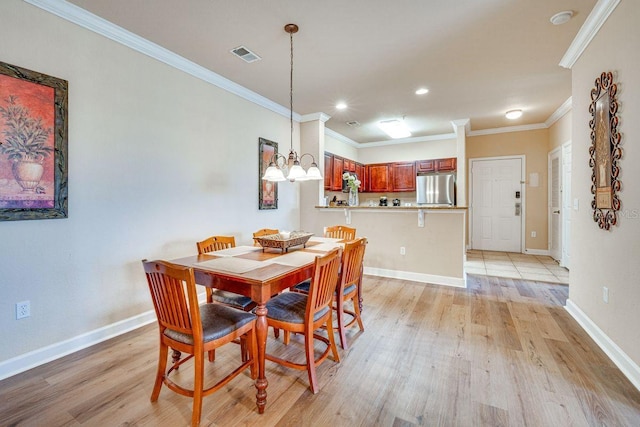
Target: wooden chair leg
<point>212,356</point>
<point>287,337</point>
<point>198,384</point>
<point>356,310</point>
<point>276,333</point>
<point>253,352</point>
<point>311,361</point>
<point>162,366</point>
<point>332,339</point>
<point>175,356</point>
<point>341,328</point>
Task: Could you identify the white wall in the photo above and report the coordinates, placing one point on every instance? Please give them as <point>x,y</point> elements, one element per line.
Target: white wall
<point>337,147</point>
<point>609,258</point>
<point>157,160</point>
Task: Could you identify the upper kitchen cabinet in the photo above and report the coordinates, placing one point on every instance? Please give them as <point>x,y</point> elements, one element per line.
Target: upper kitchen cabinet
<point>336,173</point>
<point>436,165</point>
<point>377,178</point>
<point>403,176</point>
<point>446,165</point>
<point>425,166</point>
<point>328,170</point>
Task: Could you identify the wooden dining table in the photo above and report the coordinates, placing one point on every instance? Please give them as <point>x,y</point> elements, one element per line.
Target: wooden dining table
<point>258,273</point>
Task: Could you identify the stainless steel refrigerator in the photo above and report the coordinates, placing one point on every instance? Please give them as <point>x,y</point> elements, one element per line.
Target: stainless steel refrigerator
<point>438,189</point>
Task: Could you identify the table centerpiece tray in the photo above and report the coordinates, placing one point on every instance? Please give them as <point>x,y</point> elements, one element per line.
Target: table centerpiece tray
<point>284,241</point>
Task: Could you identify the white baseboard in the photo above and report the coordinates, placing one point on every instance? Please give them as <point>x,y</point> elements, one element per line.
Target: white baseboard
<point>417,277</point>
<point>55,351</point>
<point>537,252</point>
<point>628,367</point>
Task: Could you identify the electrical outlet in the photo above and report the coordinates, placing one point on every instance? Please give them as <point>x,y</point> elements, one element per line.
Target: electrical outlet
<point>23,309</point>
<point>605,294</point>
<point>534,234</point>
<point>402,250</point>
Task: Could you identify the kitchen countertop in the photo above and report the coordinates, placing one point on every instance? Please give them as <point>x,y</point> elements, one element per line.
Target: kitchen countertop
<point>409,208</point>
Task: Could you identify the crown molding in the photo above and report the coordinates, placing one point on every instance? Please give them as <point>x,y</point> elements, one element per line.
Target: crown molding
<point>508,129</point>
<point>91,22</point>
<point>340,137</point>
<point>315,116</point>
<point>588,31</point>
<point>561,111</point>
<point>466,123</point>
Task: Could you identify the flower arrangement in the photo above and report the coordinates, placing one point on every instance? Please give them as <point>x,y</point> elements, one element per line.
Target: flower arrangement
<point>352,181</point>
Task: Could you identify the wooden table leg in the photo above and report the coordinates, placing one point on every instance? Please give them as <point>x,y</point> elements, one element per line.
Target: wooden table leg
<point>261,334</point>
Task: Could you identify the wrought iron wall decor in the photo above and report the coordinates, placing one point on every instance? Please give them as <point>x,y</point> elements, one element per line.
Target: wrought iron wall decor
<point>605,151</point>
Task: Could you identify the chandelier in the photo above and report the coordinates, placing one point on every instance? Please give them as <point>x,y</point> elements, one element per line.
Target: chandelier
<point>291,165</point>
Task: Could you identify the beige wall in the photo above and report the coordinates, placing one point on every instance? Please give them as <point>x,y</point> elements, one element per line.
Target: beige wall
<point>433,251</point>
<point>560,131</point>
<point>335,146</point>
<point>609,258</point>
<point>157,161</point>
<point>534,145</point>
<point>408,152</point>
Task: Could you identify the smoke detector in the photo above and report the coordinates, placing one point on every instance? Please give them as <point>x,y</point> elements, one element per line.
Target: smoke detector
<point>353,123</point>
<point>245,54</point>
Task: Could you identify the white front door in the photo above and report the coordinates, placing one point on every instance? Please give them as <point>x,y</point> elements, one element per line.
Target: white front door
<point>555,201</point>
<point>566,204</point>
<point>497,204</point>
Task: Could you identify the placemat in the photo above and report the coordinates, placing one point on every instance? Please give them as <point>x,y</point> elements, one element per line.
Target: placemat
<point>326,247</point>
<point>323,239</point>
<point>238,250</point>
<point>232,265</point>
<point>295,259</point>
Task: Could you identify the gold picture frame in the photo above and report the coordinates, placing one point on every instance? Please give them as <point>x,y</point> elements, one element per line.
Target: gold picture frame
<point>605,151</point>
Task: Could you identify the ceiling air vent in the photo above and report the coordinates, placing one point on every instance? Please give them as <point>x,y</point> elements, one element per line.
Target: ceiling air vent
<point>353,123</point>
<point>245,54</point>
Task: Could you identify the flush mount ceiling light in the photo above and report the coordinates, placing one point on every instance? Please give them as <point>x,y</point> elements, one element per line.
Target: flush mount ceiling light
<point>513,114</point>
<point>561,17</point>
<point>275,171</point>
<point>395,128</point>
<point>422,91</point>
<point>341,106</point>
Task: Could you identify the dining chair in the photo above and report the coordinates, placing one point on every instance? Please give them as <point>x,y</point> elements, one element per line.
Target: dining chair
<point>348,285</point>
<point>263,232</point>
<point>305,313</point>
<point>216,243</point>
<point>191,328</point>
<point>340,232</point>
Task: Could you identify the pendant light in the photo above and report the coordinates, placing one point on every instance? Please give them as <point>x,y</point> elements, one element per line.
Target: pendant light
<point>295,172</point>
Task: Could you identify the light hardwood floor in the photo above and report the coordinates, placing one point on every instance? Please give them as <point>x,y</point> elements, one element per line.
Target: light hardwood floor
<point>502,352</point>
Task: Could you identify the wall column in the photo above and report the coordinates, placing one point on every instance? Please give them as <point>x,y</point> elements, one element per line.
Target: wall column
<point>312,142</point>
<point>460,127</point>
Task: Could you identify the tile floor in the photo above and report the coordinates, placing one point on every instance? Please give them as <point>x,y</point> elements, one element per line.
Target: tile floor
<point>514,265</point>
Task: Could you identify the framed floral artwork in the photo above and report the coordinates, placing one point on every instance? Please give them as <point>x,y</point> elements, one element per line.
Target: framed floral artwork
<point>605,151</point>
<point>33,145</point>
<point>267,190</point>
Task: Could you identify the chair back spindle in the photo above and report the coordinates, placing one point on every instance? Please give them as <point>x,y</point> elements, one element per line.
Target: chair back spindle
<point>340,232</point>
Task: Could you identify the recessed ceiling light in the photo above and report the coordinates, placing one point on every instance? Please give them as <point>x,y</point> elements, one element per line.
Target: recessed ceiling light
<point>395,128</point>
<point>561,17</point>
<point>341,106</point>
<point>513,114</point>
<point>422,91</point>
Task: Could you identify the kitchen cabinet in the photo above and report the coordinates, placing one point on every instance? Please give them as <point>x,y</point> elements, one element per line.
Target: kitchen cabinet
<point>336,173</point>
<point>424,166</point>
<point>436,165</point>
<point>378,178</point>
<point>328,170</point>
<point>402,176</point>
<point>446,165</point>
<point>361,176</point>
<point>349,165</point>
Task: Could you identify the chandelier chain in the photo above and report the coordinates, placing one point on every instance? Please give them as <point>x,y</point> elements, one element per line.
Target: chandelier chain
<point>291,90</point>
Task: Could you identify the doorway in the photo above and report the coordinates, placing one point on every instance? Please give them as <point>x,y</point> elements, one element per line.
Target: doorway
<point>497,203</point>
<point>559,214</point>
